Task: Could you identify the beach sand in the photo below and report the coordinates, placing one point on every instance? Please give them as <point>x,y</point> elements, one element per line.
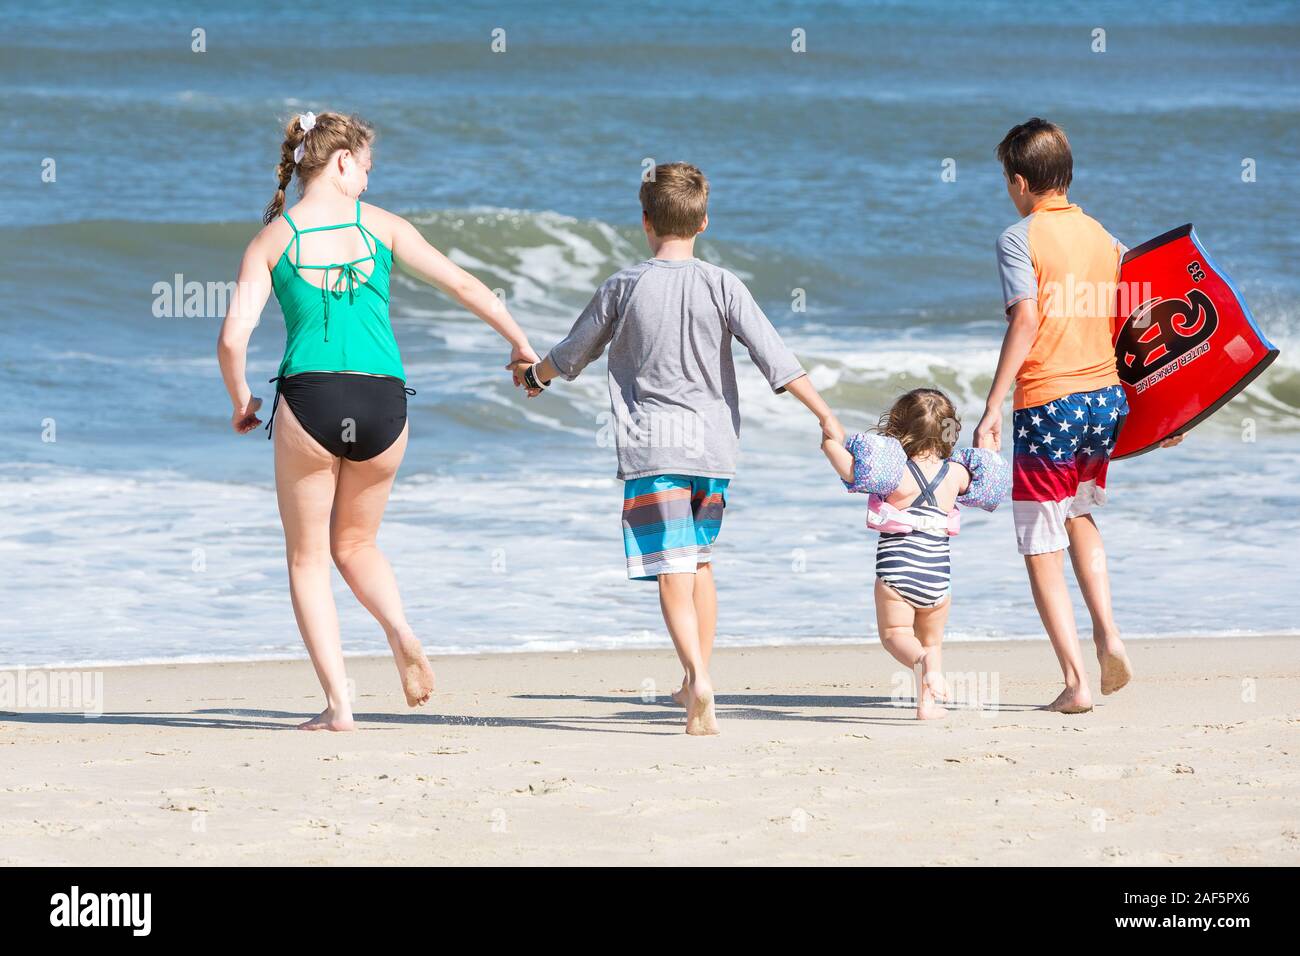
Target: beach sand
<point>563,759</point>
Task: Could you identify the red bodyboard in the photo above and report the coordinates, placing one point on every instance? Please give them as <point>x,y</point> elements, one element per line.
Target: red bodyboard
<point>1186,342</point>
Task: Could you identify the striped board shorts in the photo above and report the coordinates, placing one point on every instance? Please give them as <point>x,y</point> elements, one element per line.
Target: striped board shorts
<point>670,523</point>
<point>1062,452</point>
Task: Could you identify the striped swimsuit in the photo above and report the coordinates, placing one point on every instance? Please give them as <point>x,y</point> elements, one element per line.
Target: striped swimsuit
<point>918,564</point>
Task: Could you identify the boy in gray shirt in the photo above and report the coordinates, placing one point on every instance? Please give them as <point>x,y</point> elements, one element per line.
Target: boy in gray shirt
<point>668,323</point>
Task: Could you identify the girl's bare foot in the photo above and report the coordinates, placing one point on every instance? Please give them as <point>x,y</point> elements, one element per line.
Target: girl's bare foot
<point>679,695</point>
<point>1116,671</point>
<point>701,719</point>
<point>926,690</point>
<point>413,667</point>
<point>1072,700</point>
<point>328,719</point>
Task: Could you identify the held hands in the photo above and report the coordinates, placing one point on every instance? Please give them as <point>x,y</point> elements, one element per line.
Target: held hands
<point>832,446</point>
<point>244,418</point>
<point>517,373</point>
<point>832,430</point>
<point>523,353</point>
<point>988,433</point>
<point>520,358</point>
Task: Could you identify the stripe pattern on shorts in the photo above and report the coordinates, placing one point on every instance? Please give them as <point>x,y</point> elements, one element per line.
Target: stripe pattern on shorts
<point>670,523</point>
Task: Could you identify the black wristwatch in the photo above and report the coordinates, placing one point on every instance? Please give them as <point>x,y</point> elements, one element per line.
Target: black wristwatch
<point>531,379</point>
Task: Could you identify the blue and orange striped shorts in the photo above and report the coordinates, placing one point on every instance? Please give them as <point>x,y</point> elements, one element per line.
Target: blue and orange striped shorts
<point>670,523</point>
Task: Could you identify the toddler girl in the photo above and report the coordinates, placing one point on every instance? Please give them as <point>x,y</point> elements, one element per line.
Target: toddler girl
<point>915,481</point>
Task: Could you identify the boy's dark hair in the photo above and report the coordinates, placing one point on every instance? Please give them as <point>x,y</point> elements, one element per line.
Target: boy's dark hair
<point>1039,151</point>
<point>675,200</point>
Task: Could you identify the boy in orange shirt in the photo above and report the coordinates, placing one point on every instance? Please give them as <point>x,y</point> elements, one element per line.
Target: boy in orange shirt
<point>1060,276</point>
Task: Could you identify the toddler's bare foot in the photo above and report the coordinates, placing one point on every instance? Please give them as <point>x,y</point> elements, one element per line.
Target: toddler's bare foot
<point>942,692</point>
<point>929,710</point>
<point>329,719</point>
<point>1072,700</point>
<point>701,719</point>
<point>413,667</point>
<point>928,685</point>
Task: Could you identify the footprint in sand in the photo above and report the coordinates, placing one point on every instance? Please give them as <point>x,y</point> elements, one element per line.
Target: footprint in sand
<point>1116,854</point>
<point>1103,772</point>
<point>544,787</point>
<point>1037,798</point>
<point>988,758</point>
<point>680,805</point>
<point>317,827</point>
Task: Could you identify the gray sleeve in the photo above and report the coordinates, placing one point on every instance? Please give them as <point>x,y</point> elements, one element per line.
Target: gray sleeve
<point>753,330</point>
<point>1016,266</point>
<point>590,333</point>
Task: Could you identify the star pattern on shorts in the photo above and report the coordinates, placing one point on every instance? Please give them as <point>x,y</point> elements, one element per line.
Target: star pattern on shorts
<point>1085,421</point>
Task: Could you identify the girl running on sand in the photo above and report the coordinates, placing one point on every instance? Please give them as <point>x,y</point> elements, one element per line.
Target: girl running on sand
<point>916,480</point>
<point>339,416</point>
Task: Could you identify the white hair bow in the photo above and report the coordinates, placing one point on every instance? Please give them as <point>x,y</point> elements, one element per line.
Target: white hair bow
<point>308,122</point>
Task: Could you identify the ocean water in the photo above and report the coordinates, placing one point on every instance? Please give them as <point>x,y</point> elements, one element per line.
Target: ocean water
<point>147,530</point>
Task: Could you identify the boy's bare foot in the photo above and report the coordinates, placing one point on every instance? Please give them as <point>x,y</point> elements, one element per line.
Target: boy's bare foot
<point>1072,700</point>
<point>1116,671</point>
<point>328,720</point>
<point>701,719</point>
<point>413,667</point>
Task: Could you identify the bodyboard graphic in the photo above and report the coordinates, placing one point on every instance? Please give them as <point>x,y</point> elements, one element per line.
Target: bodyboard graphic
<point>1185,342</point>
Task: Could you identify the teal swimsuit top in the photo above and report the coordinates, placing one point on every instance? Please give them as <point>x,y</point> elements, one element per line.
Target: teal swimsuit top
<point>341,325</point>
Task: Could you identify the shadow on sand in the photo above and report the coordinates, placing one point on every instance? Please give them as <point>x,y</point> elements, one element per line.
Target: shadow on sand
<point>654,716</point>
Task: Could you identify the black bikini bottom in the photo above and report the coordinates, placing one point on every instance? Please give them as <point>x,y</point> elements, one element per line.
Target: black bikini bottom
<point>351,416</point>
